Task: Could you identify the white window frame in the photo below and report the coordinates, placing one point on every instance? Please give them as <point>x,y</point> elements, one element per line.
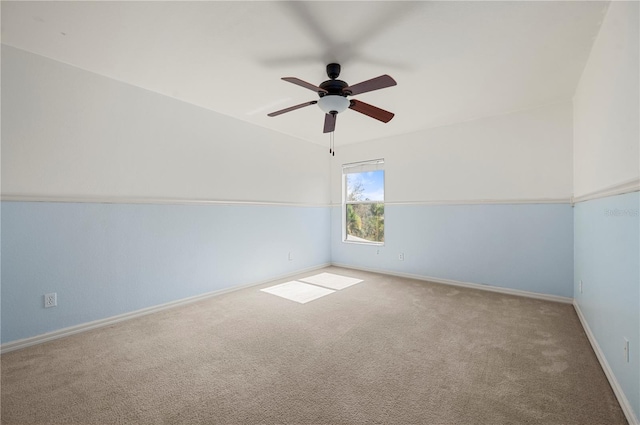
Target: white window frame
<point>360,167</point>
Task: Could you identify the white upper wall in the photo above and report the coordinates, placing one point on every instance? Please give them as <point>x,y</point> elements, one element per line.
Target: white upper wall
<point>453,60</point>
<point>520,156</point>
<point>606,105</point>
<point>67,132</point>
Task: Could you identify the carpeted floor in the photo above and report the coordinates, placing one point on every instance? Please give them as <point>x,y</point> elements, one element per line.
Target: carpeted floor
<point>387,350</point>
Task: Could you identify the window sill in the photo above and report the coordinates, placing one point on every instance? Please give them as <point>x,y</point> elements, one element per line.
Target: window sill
<point>362,242</point>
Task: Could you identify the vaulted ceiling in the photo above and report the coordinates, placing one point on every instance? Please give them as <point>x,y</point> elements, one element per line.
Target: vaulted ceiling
<point>453,61</point>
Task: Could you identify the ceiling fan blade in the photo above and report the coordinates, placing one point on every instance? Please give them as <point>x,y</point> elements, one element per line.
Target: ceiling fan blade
<point>329,122</point>
<point>304,84</point>
<point>377,83</point>
<point>371,111</point>
<point>292,108</point>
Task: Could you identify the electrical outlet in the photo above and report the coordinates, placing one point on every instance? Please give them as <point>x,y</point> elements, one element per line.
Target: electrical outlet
<point>626,349</point>
<point>377,252</point>
<point>50,300</point>
<point>290,256</point>
<point>581,286</point>
<point>401,256</point>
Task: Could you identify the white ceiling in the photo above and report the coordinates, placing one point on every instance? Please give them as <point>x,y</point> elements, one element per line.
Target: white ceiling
<point>453,61</point>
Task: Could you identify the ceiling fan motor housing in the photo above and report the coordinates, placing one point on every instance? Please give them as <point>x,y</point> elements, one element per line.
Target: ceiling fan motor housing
<point>335,87</point>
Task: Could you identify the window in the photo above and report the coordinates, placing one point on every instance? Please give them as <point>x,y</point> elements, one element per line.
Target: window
<point>363,202</point>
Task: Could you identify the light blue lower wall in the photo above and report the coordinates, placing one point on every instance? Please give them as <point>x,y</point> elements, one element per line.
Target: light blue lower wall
<point>525,246</point>
<point>607,260</point>
<point>108,259</point>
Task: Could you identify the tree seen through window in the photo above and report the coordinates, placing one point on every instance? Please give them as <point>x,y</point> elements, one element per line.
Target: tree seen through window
<point>364,203</point>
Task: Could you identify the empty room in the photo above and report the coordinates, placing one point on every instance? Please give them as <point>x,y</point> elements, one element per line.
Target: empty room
<point>320,212</point>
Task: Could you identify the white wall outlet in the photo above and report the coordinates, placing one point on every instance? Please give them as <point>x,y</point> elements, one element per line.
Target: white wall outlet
<point>290,257</point>
<point>626,349</point>
<point>581,286</point>
<point>50,300</point>
<point>401,256</point>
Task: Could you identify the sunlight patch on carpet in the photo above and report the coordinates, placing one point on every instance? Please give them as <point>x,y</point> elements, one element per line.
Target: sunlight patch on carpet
<point>332,281</point>
<point>298,291</point>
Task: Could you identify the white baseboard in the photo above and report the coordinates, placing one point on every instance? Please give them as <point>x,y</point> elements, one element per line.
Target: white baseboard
<point>617,390</point>
<point>72,330</point>
<point>509,291</point>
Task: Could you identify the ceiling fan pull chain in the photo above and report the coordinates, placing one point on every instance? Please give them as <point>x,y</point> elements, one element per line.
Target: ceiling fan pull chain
<point>333,142</point>
<point>330,142</point>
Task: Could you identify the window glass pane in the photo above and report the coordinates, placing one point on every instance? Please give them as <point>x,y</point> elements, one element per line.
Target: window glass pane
<point>367,186</point>
<point>365,222</point>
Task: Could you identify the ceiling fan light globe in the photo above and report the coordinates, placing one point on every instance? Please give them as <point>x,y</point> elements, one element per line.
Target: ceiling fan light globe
<point>333,103</point>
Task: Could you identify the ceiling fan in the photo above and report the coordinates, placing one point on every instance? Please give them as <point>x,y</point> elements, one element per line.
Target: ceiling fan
<point>333,97</point>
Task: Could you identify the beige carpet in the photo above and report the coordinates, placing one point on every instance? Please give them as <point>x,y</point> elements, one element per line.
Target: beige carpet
<point>385,351</point>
